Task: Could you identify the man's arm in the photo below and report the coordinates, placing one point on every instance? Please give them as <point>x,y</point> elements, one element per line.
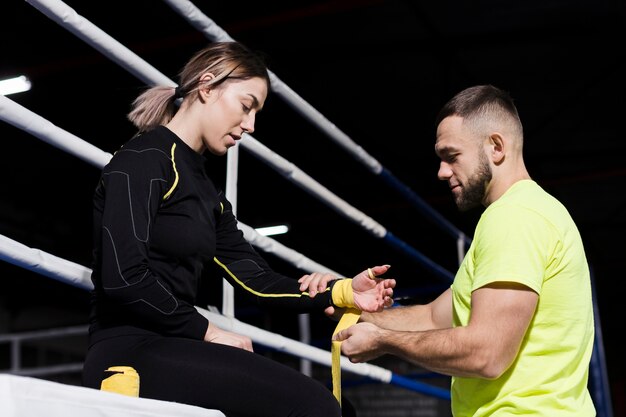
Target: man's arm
<point>485,348</point>
<point>435,315</point>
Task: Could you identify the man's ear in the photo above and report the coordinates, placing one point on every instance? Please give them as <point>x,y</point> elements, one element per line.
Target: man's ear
<point>496,148</point>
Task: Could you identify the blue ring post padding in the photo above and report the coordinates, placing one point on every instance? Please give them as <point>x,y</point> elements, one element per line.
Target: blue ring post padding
<point>600,392</point>
<point>420,387</point>
<point>437,269</point>
<point>421,205</point>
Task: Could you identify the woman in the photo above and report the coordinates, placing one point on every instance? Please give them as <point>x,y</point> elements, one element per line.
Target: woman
<point>158,219</point>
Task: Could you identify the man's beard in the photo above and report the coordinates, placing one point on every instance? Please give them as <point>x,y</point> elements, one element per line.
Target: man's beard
<point>473,193</point>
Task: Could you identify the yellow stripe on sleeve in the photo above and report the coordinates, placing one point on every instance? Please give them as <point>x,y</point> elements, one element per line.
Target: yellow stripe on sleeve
<point>171,190</point>
<point>259,294</point>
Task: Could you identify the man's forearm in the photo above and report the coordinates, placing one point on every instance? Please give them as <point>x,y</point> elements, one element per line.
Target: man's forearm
<point>403,318</point>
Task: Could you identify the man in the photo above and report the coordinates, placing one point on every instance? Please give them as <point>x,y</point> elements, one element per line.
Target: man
<point>515,329</point>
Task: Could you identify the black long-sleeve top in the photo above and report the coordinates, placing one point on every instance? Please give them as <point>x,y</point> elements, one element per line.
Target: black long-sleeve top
<point>158,219</point>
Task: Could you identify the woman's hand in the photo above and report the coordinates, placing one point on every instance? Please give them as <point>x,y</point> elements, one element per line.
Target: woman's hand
<point>373,294</point>
<point>216,335</point>
<point>315,283</point>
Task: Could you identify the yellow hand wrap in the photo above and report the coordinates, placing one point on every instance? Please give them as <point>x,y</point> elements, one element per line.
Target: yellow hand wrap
<point>342,293</point>
<point>350,317</point>
<point>124,380</point>
<point>343,297</point>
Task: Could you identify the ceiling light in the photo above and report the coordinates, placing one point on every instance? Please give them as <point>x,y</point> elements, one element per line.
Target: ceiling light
<point>273,230</point>
<point>14,85</point>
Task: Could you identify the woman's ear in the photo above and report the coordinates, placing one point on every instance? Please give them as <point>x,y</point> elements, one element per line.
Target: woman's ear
<point>204,85</point>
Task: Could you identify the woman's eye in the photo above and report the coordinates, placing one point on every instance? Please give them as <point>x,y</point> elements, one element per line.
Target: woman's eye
<point>246,108</point>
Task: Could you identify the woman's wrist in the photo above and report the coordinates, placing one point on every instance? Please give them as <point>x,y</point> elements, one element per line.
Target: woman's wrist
<point>342,293</point>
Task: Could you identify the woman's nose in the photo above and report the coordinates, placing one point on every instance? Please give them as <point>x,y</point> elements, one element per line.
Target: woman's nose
<point>248,123</point>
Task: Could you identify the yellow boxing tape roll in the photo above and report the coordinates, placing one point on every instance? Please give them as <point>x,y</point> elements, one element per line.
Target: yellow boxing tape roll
<point>350,317</point>
<point>122,380</point>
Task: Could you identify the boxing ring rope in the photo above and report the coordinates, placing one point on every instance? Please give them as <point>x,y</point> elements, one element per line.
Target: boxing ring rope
<point>215,33</point>
<point>111,48</point>
<point>79,276</point>
<point>21,122</point>
<point>101,41</point>
<point>57,268</point>
<point>20,117</point>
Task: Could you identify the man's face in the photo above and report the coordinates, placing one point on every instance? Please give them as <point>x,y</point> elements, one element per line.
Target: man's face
<point>464,164</point>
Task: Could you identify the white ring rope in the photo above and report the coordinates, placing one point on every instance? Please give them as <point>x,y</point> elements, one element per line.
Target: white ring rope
<point>215,33</point>
<point>299,177</point>
<point>101,41</point>
<point>270,245</point>
<point>68,18</point>
<point>57,13</point>
<point>25,119</point>
<point>17,115</point>
<point>45,264</point>
<point>79,276</point>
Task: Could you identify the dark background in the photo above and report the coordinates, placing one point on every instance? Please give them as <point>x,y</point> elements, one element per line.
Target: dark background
<point>378,70</point>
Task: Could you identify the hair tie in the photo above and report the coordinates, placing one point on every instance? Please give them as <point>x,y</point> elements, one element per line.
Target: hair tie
<point>178,93</point>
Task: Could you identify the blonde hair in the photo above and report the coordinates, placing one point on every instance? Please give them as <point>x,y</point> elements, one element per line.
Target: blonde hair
<point>225,60</point>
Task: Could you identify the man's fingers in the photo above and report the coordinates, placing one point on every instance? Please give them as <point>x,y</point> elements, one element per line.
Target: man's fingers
<point>341,336</point>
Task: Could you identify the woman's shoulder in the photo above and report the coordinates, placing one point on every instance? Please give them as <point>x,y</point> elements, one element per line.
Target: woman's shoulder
<point>157,138</point>
<point>151,148</point>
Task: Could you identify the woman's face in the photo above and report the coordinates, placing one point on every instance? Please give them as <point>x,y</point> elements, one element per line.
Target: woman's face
<point>230,112</point>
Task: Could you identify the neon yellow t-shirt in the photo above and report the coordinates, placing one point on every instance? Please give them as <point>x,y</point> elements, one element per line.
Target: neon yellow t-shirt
<point>527,236</point>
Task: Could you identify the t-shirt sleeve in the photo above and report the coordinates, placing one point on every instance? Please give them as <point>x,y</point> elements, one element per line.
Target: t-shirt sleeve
<point>514,246</point>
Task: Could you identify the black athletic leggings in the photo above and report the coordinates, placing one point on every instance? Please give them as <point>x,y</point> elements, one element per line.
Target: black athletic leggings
<point>236,382</point>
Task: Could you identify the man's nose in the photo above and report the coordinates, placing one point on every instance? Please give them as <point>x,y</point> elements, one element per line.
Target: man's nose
<point>444,172</point>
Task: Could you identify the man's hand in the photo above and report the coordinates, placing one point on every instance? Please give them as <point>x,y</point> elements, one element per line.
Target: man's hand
<point>361,342</point>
